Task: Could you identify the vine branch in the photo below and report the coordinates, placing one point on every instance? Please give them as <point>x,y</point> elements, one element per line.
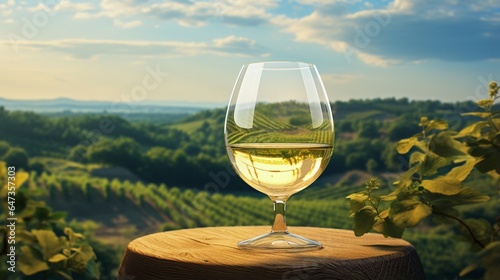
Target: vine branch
<point>490,119</point>
<point>474,238</point>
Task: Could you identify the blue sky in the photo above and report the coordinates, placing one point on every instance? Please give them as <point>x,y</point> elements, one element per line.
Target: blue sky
<point>182,50</point>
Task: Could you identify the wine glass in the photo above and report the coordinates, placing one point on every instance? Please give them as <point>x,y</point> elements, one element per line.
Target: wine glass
<point>279,136</point>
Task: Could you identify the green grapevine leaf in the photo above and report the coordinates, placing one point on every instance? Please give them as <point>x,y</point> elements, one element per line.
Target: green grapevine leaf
<point>444,145</point>
<point>26,236</point>
<point>405,145</point>
<point>422,146</point>
<point>465,196</point>
<point>417,157</point>
<point>384,214</point>
<point>483,115</point>
<point>394,194</point>
<point>364,220</point>
<point>409,212</point>
<point>357,201</point>
<point>388,228</point>
<point>443,185</point>
<point>21,177</point>
<point>390,197</point>
<point>57,258</point>
<point>32,261</point>
<point>431,163</point>
<point>489,158</point>
<point>86,252</point>
<point>406,180</point>
<point>462,172</point>
<point>436,124</point>
<point>48,242</point>
<point>473,130</point>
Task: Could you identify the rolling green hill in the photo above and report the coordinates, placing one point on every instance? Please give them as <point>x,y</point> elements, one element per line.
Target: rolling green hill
<point>134,176</point>
<point>185,152</point>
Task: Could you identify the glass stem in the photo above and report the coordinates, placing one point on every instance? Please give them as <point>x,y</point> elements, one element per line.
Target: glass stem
<point>279,225</point>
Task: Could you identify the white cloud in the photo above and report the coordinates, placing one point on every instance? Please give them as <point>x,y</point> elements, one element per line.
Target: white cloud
<point>238,45</point>
<point>188,13</point>
<point>63,5</point>
<point>6,12</point>
<point>8,21</point>
<point>85,48</point>
<point>376,60</point>
<point>234,41</point>
<point>38,7</point>
<point>6,9</point>
<point>403,31</point>
<point>128,24</point>
<point>401,6</point>
<point>67,5</point>
<point>325,2</point>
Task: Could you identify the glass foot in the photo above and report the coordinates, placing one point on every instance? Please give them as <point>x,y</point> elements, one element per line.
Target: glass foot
<point>281,241</point>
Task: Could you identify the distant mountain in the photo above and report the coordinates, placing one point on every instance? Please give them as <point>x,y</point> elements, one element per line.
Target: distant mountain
<point>66,104</point>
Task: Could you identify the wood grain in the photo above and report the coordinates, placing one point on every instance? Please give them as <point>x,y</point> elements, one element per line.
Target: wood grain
<point>212,253</point>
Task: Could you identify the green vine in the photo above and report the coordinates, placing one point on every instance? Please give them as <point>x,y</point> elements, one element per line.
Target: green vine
<point>440,161</point>
<point>40,251</point>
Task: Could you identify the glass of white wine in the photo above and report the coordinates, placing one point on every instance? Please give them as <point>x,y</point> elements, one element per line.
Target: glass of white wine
<point>279,136</point>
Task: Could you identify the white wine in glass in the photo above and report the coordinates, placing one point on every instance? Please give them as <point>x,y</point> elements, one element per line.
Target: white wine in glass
<point>279,137</point>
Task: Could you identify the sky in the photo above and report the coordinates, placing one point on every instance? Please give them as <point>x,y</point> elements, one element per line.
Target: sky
<point>183,50</point>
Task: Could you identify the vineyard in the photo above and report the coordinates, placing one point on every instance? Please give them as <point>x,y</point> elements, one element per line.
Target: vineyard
<point>143,208</point>
<point>185,208</point>
<point>269,125</point>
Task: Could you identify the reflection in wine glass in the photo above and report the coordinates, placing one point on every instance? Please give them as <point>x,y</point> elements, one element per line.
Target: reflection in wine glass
<point>279,136</point>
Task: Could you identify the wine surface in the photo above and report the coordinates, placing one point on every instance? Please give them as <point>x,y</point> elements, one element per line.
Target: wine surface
<point>279,169</point>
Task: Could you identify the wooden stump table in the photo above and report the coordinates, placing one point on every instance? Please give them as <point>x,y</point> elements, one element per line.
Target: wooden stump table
<point>212,253</point>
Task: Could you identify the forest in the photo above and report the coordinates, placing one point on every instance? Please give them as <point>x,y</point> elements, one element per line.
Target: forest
<point>170,171</point>
<point>184,153</point>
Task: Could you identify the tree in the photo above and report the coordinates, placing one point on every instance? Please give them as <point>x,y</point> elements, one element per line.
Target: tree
<point>37,166</point>
<point>368,130</point>
<point>16,157</point>
<point>356,160</point>
<point>158,161</point>
<point>402,129</point>
<point>122,151</point>
<point>344,126</point>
